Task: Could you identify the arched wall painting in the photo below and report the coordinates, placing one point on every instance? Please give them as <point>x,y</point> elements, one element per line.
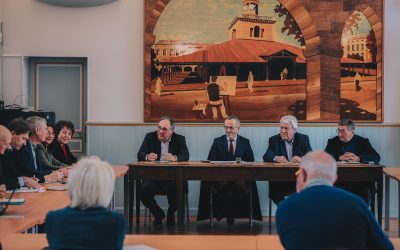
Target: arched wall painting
<point>205,59</point>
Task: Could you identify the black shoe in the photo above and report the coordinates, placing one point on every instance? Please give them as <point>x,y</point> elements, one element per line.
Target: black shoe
<point>171,220</point>
<point>230,220</point>
<point>157,222</point>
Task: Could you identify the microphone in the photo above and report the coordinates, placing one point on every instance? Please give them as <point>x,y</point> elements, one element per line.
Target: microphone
<point>3,210</point>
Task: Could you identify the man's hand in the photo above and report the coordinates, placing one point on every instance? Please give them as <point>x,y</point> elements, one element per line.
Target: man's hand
<point>30,182</point>
<point>281,159</point>
<point>152,157</point>
<point>170,157</point>
<point>56,176</point>
<point>2,191</point>
<point>350,157</point>
<point>295,159</point>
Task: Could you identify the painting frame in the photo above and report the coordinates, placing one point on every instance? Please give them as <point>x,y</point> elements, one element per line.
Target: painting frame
<point>323,100</point>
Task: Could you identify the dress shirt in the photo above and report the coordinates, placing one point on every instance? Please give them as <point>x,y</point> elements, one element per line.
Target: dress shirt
<point>233,143</point>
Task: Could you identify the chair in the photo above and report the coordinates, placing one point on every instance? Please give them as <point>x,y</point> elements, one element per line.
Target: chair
<point>186,197</point>
<point>212,191</point>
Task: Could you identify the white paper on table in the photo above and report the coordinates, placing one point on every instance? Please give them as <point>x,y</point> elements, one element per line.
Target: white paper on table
<point>138,247</point>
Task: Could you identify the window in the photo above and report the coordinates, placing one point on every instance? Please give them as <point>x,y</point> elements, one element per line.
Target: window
<point>257,31</point>
<point>251,32</point>
<point>164,52</point>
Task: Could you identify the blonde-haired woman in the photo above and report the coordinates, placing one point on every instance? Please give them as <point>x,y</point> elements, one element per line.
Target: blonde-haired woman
<point>86,223</point>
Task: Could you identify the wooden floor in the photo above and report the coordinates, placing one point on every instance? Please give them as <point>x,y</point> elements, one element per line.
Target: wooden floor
<point>241,227</point>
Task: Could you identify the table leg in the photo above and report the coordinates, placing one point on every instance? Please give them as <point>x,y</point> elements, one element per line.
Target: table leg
<point>131,194</point>
<point>387,202</point>
<point>138,187</point>
<point>179,199</point>
<point>380,198</point>
<point>126,198</point>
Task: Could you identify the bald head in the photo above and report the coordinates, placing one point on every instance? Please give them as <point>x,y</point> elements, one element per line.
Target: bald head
<point>316,165</point>
<point>5,139</point>
<point>319,164</point>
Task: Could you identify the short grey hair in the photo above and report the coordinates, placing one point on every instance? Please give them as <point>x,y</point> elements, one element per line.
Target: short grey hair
<point>319,164</point>
<point>35,122</point>
<point>170,119</point>
<point>289,119</point>
<point>91,183</point>
<point>350,124</point>
<point>233,117</point>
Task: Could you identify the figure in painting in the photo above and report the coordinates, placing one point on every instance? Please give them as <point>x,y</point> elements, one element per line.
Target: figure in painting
<point>284,74</point>
<point>250,82</point>
<point>215,100</point>
<point>158,86</point>
<point>357,79</point>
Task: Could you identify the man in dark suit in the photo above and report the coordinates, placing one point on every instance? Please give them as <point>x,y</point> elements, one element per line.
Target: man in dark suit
<point>165,145</point>
<point>11,160</point>
<point>28,164</point>
<point>287,146</point>
<point>349,147</point>
<point>230,196</point>
<point>321,216</point>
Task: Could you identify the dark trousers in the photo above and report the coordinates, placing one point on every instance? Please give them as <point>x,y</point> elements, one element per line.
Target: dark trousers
<point>150,189</point>
<point>279,189</point>
<point>228,194</point>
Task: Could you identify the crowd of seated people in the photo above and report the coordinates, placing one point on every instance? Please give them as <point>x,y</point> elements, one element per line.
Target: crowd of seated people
<point>30,153</point>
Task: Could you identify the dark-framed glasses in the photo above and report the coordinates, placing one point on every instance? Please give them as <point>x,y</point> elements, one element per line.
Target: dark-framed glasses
<point>163,129</point>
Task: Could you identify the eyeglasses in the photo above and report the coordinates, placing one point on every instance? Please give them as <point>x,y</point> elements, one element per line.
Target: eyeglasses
<point>341,131</point>
<point>163,129</point>
<point>229,127</point>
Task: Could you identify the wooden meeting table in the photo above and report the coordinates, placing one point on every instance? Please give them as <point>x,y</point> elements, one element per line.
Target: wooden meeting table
<point>230,171</point>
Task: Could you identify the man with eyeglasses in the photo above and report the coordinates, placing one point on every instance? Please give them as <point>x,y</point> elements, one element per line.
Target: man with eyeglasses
<point>287,146</point>
<point>162,145</point>
<point>349,147</point>
<point>231,197</point>
<point>320,216</point>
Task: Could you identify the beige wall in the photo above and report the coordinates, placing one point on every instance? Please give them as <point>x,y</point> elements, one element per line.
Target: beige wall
<point>111,37</point>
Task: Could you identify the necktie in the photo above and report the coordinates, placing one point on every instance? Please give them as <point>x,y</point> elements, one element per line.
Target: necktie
<point>230,151</point>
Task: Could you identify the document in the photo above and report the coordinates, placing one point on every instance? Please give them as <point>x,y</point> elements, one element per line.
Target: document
<point>138,247</point>
<point>223,162</point>
<point>28,190</point>
<point>12,202</point>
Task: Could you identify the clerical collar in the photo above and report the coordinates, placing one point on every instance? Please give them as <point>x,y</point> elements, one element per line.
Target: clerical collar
<point>318,182</point>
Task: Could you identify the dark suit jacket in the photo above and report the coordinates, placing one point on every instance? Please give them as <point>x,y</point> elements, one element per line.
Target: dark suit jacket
<point>26,166</point>
<point>219,152</point>
<point>8,174</point>
<point>93,228</point>
<point>362,148</point>
<point>56,151</point>
<point>177,147</point>
<point>323,217</point>
<point>276,147</point>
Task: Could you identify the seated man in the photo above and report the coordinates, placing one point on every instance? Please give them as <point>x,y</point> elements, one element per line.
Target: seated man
<point>349,147</point>
<point>321,216</point>
<point>27,163</point>
<point>287,146</point>
<point>231,197</point>
<point>10,160</point>
<point>5,140</point>
<point>163,144</point>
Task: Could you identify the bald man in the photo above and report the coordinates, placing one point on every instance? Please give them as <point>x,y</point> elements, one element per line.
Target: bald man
<point>321,216</point>
<point>5,140</point>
